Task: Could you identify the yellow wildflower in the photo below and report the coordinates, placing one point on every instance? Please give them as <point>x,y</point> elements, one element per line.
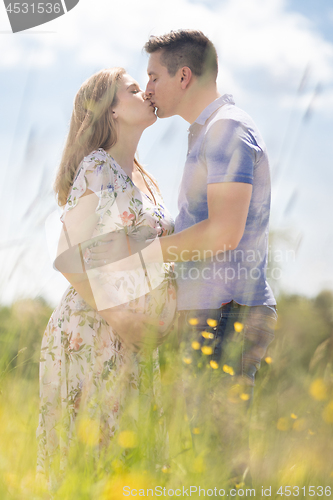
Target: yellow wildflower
<point>293,416</point>
<point>206,349</point>
<point>268,360</point>
<point>213,364</point>
<point>244,396</point>
<point>196,345</point>
<point>188,361</point>
<point>211,322</point>
<point>228,369</point>
<point>196,430</point>
<point>318,389</point>
<point>193,321</point>
<point>238,326</point>
<point>207,335</point>
<point>128,439</point>
<point>114,488</point>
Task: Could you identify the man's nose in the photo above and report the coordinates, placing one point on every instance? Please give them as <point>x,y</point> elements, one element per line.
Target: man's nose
<point>149,90</point>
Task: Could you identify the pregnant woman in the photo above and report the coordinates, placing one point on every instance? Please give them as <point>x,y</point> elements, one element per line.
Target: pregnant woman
<point>94,358</point>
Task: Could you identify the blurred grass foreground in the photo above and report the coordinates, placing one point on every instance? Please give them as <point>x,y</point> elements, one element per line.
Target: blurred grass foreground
<point>291,422</point>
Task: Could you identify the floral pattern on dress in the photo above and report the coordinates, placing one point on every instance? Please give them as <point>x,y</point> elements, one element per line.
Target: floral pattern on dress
<point>84,366</point>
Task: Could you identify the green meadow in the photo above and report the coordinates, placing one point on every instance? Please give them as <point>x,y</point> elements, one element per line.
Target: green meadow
<point>291,432</point>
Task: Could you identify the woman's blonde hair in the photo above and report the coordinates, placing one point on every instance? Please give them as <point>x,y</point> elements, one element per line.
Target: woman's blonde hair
<point>91,127</point>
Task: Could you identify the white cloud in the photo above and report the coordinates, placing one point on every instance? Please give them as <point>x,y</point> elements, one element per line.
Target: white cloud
<point>256,33</point>
<point>249,34</point>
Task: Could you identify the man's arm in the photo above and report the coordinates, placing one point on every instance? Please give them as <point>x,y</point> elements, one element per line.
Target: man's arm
<point>229,155</point>
<point>228,206</point>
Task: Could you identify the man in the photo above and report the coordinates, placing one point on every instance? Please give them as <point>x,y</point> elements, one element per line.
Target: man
<point>227,309</point>
<point>220,245</point>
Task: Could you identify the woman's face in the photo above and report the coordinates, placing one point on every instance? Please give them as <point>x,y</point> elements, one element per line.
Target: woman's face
<point>132,108</point>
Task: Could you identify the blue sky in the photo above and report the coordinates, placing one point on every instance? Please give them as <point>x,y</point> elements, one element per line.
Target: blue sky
<point>275,57</point>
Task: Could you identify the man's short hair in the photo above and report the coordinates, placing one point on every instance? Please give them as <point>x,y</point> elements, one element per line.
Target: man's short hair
<point>189,48</point>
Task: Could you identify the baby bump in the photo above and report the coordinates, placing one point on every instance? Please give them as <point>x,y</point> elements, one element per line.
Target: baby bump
<point>159,304</point>
<point>112,287</point>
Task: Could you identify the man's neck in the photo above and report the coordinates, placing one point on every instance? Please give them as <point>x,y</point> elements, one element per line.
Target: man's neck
<point>197,99</point>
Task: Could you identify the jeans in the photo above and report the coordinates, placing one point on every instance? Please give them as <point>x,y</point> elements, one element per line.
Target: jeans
<point>250,329</point>
<point>222,351</point>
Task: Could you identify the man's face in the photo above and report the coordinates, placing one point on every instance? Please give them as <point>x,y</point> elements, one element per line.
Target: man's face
<point>164,90</point>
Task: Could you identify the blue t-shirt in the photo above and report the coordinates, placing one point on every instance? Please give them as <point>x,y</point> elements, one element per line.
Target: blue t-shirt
<point>225,146</point>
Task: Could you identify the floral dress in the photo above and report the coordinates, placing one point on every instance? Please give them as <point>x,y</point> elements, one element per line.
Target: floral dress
<point>84,366</point>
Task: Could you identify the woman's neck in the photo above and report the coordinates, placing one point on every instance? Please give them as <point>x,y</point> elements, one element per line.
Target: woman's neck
<point>124,150</point>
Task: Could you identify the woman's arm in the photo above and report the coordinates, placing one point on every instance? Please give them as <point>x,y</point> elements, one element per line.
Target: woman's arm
<point>130,326</point>
<point>78,227</point>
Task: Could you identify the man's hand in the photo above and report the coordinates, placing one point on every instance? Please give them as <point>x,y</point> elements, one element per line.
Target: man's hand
<point>108,248</point>
<point>123,252</point>
<point>112,247</point>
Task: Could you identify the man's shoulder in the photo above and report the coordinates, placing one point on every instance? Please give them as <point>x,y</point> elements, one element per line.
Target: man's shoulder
<point>232,119</point>
<point>233,113</point>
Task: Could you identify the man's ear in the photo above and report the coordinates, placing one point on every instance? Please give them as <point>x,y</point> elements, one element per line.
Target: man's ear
<point>185,77</point>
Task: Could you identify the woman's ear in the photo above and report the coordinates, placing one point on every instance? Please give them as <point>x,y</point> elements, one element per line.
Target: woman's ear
<point>114,114</point>
<point>185,77</point>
